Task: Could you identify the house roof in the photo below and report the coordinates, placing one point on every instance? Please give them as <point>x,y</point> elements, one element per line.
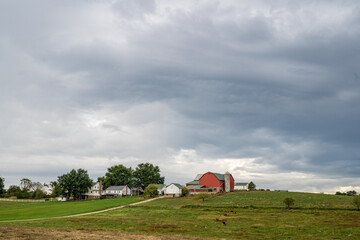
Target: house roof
<point>116,188</point>
<point>241,184</point>
<point>176,184</point>
<point>196,187</point>
<point>193,182</point>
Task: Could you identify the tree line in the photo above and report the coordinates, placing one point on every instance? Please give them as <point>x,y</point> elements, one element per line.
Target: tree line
<point>77,182</point>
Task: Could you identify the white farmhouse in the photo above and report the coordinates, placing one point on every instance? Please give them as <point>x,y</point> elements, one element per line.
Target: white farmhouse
<point>117,191</point>
<point>173,190</point>
<point>95,191</point>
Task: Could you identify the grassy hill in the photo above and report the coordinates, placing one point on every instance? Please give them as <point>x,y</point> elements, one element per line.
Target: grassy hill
<point>247,215</point>
<point>262,199</point>
<point>21,210</point>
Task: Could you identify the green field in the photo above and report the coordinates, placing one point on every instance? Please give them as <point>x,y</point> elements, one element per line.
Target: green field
<point>21,210</point>
<point>248,215</point>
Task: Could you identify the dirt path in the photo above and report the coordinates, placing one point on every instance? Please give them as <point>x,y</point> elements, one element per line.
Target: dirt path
<point>82,214</point>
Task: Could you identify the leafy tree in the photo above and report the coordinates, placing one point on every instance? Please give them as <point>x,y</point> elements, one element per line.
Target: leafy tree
<point>351,193</point>
<point>184,191</point>
<point>74,183</point>
<point>203,196</point>
<point>340,193</point>
<point>38,193</point>
<point>14,191</point>
<point>251,186</point>
<point>356,202</point>
<point>25,184</point>
<point>36,186</point>
<point>118,175</point>
<point>56,189</point>
<point>151,191</point>
<point>289,202</point>
<point>145,174</point>
<point>2,185</point>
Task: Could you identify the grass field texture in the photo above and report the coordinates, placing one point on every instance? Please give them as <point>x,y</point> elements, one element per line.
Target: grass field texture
<point>20,210</point>
<point>247,215</point>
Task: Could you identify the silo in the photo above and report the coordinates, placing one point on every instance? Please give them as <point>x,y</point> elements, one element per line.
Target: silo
<point>227,182</point>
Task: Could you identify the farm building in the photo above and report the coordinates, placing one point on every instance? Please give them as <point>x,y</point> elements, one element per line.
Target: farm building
<point>174,190</point>
<point>241,186</point>
<point>161,188</point>
<point>117,191</point>
<point>135,191</point>
<point>94,192</point>
<point>211,182</point>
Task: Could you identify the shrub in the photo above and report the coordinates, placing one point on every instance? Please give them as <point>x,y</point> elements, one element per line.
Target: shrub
<point>356,202</point>
<point>340,193</point>
<point>351,193</point>
<point>251,186</point>
<point>289,202</point>
<point>184,191</point>
<point>151,191</point>
<point>203,196</point>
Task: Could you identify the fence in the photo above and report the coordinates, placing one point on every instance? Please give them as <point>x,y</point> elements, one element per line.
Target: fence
<point>20,200</point>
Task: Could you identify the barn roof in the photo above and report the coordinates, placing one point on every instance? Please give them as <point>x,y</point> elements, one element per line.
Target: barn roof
<point>195,187</point>
<point>160,186</point>
<point>176,184</point>
<point>193,182</point>
<point>219,176</point>
<point>198,176</point>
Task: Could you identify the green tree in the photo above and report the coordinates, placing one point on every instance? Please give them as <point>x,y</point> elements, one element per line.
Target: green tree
<point>184,191</point>
<point>356,202</point>
<point>289,202</point>
<point>56,189</point>
<point>38,193</point>
<point>25,184</point>
<point>14,191</point>
<point>2,186</point>
<point>151,191</point>
<point>118,175</point>
<point>251,186</point>
<point>74,183</point>
<point>203,196</point>
<point>145,174</point>
<point>351,193</point>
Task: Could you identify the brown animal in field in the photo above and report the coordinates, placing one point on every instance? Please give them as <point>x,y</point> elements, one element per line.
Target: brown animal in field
<point>221,220</point>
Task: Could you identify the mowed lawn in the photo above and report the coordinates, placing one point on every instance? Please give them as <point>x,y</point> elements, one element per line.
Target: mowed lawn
<point>247,215</point>
<point>21,210</point>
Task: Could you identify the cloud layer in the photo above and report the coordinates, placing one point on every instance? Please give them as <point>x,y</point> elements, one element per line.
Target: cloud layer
<point>268,91</point>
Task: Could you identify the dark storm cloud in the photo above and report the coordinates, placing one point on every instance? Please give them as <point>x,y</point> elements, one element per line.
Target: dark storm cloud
<point>102,82</point>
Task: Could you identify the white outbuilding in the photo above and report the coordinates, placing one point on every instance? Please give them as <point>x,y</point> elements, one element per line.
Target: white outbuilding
<point>173,190</point>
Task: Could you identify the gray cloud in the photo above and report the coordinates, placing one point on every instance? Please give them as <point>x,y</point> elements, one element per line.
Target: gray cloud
<point>90,84</point>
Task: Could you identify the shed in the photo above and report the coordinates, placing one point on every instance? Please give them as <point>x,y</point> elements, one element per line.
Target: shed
<point>174,190</point>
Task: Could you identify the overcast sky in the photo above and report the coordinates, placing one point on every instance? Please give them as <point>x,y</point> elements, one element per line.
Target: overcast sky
<point>267,90</point>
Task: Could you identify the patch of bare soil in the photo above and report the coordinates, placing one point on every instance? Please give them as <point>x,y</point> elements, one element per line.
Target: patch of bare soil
<point>42,234</point>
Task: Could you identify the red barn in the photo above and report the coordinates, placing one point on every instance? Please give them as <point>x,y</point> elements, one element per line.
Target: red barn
<point>212,182</point>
